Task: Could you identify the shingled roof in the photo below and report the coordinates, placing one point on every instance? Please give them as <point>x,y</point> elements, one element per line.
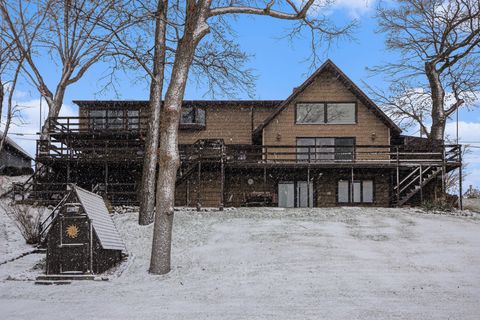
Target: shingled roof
<point>342,77</point>
<point>103,226</point>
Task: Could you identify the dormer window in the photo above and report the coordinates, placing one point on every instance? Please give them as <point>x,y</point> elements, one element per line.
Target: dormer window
<point>326,113</point>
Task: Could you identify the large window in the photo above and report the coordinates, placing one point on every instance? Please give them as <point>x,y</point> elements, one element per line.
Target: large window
<point>114,119</point>
<point>326,113</point>
<point>192,115</point>
<point>324,149</point>
<point>358,191</point>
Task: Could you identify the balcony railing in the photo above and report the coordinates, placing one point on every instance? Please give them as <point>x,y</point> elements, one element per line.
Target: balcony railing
<point>132,150</point>
<point>114,125</point>
<point>363,154</point>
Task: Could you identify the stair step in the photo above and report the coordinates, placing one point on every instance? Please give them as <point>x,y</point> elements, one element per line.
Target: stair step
<point>66,277</point>
<point>52,282</point>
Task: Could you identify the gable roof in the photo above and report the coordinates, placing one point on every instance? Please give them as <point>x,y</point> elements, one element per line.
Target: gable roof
<point>14,145</point>
<point>345,80</point>
<point>96,210</point>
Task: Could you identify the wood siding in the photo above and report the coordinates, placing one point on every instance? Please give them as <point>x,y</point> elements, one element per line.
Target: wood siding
<point>326,88</point>
<point>232,124</point>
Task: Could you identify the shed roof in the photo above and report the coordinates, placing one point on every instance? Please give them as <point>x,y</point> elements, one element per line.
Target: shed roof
<point>103,225</point>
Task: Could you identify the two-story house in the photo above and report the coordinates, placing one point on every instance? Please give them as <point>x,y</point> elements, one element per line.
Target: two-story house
<point>327,144</point>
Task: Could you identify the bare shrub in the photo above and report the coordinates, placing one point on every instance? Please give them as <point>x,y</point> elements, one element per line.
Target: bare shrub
<point>28,221</point>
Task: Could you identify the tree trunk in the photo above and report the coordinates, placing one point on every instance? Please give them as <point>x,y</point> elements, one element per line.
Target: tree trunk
<point>54,106</point>
<point>169,160</point>
<point>437,130</point>
<point>147,194</point>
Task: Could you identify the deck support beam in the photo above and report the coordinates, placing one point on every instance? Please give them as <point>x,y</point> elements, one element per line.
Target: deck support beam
<point>106,179</point>
<point>222,181</point>
<point>352,187</point>
<point>460,180</point>
<point>398,177</point>
<point>308,187</point>
<point>199,179</point>
<point>420,183</point>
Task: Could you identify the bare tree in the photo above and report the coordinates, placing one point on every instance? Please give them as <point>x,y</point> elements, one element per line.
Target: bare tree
<point>69,31</point>
<point>438,42</point>
<point>198,19</point>
<point>11,63</point>
<point>217,64</point>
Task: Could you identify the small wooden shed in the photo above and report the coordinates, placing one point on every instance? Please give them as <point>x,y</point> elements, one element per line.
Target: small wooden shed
<point>82,237</point>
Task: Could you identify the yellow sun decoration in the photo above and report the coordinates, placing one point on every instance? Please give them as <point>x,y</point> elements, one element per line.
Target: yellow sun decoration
<point>72,231</point>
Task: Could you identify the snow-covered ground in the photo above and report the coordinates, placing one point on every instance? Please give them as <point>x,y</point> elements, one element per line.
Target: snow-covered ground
<point>342,263</point>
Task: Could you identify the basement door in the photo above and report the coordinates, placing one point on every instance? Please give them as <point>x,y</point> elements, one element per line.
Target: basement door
<point>74,245</point>
<point>295,194</point>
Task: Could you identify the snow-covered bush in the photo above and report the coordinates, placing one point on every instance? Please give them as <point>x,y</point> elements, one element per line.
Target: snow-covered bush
<point>28,220</point>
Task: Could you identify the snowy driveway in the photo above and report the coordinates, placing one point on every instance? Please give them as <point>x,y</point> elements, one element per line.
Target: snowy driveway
<point>344,263</point>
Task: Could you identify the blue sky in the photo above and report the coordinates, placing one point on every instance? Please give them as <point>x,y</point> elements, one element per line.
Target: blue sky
<point>279,65</point>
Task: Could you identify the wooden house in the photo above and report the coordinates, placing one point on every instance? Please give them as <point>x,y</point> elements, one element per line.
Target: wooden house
<point>80,235</point>
<point>14,160</point>
<point>327,144</point>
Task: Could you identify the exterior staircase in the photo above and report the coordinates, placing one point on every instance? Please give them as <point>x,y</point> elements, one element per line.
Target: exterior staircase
<point>38,189</point>
<point>203,150</point>
<point>414,183</point>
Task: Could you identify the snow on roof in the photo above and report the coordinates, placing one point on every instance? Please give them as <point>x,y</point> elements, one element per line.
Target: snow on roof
<point>103,225</point>
<point>16,146</point>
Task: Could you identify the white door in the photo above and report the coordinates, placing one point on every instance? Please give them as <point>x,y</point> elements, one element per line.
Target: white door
<point>304,194</point>
<point>286,194</point>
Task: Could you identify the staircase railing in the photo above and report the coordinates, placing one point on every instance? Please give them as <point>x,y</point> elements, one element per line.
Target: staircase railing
<point>414,182</point>
<point>47,222</point>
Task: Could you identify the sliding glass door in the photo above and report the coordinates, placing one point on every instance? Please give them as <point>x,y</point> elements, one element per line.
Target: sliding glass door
<point>298,194</point>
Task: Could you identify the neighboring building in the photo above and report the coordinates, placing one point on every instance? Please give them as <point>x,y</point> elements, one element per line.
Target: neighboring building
<point>327,144</point>
<point>14,160</point>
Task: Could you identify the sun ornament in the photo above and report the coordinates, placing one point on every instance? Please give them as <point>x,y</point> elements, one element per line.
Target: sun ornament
<point>72,231</point>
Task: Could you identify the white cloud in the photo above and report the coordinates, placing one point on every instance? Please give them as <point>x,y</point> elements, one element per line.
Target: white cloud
<point>467,131</point>
<point>24,132</point>
<point>355,8</point>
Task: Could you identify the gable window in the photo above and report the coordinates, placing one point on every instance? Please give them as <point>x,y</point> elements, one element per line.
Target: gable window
<point>358,191</point>
<point>326,113</point>
<point>313,113</point>
<point>341,113</point>
<point>324,149</point>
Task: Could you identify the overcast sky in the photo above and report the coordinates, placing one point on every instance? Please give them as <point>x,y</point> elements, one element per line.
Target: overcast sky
<point>279,65</point>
